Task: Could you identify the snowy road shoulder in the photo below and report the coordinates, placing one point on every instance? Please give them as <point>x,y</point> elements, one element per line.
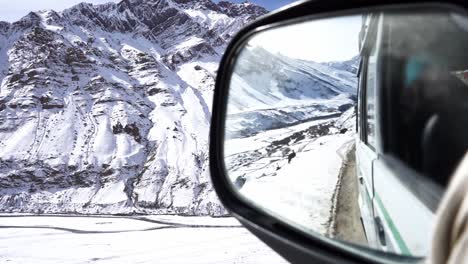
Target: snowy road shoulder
<point>303,189</point>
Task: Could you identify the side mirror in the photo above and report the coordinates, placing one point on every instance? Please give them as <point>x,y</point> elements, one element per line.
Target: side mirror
<point>336,127</point>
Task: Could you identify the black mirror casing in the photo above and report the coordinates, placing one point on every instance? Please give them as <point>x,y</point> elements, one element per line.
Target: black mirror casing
<point>293,244</point>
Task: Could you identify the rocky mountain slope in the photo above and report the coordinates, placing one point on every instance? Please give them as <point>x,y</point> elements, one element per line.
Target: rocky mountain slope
<point>271,91</point>
<point>106,108</point>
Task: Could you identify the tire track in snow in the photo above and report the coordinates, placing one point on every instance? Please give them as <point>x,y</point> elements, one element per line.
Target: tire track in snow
<point>79,231</point>
<point>159,224</point>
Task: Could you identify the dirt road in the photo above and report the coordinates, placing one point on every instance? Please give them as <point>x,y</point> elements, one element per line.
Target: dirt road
<point>347,223</point>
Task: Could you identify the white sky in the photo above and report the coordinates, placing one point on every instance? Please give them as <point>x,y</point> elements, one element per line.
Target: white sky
<point>333,39</point>
<point>13,10</point>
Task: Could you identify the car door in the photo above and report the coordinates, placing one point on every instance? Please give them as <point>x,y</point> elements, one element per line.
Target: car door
<point>390,200</point>
<point>402,212</point>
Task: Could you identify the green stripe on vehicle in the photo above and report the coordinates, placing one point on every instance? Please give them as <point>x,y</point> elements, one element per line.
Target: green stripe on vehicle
<point>401,243</point>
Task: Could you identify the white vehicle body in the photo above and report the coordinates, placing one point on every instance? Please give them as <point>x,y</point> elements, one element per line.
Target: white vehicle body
<point>397,205</point>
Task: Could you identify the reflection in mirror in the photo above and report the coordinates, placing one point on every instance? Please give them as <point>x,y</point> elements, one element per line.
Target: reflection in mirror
<point>303,133</point>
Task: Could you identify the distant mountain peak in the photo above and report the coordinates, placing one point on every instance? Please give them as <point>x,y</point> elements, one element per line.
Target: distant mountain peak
<point>31,19</point>
<point>246,7</point>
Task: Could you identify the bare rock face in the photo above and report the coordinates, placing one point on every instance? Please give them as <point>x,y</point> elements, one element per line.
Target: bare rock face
<point>106,108</point>
<point>235,10</point>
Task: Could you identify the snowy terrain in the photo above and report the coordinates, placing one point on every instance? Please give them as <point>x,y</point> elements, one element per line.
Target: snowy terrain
<point>278,106</point>
<point>106,108</point>
<point>303,190</point>
<point>104,239</point>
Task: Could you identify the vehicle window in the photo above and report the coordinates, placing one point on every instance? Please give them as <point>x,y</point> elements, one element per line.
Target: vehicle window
<point>370,98</point>
<point>431,102</point>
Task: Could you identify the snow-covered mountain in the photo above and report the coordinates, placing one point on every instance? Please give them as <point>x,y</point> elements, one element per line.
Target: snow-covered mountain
<point>106,108</point>
<point>270,91</point>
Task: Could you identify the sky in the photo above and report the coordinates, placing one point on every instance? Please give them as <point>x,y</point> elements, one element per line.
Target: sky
<point>324,40</point>
<point>14,10</point>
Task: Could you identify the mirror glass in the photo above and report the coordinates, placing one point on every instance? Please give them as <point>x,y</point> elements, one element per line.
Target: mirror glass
<point>335,125</point>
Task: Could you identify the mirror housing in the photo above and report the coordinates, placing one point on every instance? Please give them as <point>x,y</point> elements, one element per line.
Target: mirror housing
<point>290,242</point>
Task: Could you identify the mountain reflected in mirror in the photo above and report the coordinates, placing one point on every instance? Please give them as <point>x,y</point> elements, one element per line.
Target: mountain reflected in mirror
<point>291,125</point>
